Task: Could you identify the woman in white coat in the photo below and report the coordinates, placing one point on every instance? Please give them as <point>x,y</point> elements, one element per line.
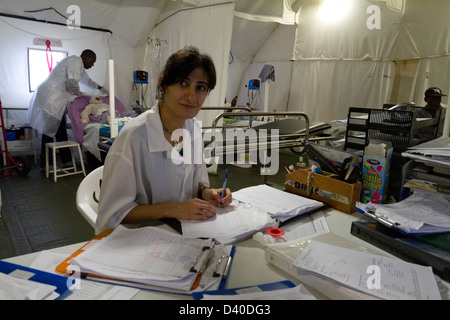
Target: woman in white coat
<point>47,111</point>
<point>155,167</point>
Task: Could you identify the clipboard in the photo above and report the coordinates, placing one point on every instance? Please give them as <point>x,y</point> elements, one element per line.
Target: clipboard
<point>60,282</point>
<point>385,218</point>
<point>202,263</point>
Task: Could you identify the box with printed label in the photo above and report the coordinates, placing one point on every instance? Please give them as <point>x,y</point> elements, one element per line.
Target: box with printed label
<point>375,172</point>
<point>324,187</point>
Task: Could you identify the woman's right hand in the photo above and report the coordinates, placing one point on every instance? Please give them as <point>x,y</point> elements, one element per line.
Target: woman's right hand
<point>194,209</point>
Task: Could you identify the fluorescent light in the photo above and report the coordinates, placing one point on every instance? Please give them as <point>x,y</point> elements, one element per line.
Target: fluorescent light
<point>334,10</point>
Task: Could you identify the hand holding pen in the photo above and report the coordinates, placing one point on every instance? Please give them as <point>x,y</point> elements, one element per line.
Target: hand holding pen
<point>225,195</point>
<point>219,197</point>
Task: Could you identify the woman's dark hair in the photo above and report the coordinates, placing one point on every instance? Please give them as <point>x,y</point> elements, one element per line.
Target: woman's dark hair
<point>183,62</point>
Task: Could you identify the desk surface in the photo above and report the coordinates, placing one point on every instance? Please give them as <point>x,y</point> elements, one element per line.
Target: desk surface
<point>249,253</point>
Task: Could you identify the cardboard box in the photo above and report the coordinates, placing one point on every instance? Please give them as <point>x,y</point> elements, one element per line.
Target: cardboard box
<point>324,187</point>
<point>375,172</point>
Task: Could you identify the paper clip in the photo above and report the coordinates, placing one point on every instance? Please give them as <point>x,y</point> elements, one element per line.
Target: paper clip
<point>226,267</point>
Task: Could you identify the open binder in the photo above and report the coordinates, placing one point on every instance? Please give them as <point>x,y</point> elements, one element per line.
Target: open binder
<point>154,259</point>
<point>253,209</point>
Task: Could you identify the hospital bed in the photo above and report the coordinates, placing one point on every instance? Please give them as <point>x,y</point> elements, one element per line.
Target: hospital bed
<point>90,134</point>
<point>293,131</point>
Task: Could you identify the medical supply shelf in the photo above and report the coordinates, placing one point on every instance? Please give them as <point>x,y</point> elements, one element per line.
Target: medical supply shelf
<point>403,128</point>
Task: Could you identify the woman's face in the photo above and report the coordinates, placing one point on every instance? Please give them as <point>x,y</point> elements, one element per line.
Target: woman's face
<point>185,98</point>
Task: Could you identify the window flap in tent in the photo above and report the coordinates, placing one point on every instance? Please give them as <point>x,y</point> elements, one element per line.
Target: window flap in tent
<point>396,5</point>
<point>284,16</point>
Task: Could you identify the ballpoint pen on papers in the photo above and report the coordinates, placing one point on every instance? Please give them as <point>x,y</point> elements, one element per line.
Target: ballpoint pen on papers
<point>224,186</point>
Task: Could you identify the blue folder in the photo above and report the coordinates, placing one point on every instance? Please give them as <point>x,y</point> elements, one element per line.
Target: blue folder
<point>264,287</point>
<point>60,282</point>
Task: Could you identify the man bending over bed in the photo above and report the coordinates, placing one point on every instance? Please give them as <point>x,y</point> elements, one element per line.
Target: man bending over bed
<point>48,107</point>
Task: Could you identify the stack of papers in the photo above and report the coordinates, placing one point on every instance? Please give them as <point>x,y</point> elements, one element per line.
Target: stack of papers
<point>23,283</point>
<point>280,204</point>
<point>423,212</point>
<point>12,288</point>
<point>435,152</point>
<point>233,223</point>
<point>379,276</point>
<point>253,209</point>
<point>82,289</point>
<point>151,258</point>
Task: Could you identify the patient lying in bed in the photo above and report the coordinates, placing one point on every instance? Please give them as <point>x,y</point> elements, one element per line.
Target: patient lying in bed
<point>96,107</point>
<point>78,106</point>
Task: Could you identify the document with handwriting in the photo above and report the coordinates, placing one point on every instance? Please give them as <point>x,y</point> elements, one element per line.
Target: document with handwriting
<point>376,275</point>
<point>253,209</point>
<point>236,221</point>
<point>147,255</point>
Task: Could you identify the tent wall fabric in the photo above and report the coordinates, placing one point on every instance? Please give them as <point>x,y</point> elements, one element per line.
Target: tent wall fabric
<point>208,29</point>
<point>349,60</point>
<point>323,64</point>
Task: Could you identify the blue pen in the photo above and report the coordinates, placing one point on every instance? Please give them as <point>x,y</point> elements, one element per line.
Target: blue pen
<point>224,186</point>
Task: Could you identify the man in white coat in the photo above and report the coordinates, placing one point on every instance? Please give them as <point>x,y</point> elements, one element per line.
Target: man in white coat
<point>48,107</point>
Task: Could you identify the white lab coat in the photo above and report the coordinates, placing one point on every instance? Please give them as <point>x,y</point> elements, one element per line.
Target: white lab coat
<point>141,168</point>
<point>50,101</point>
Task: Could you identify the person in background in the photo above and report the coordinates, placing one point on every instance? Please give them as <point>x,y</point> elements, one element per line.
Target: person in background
<point>433,98</point>
<point>48,107</point>
<point>155,168</point>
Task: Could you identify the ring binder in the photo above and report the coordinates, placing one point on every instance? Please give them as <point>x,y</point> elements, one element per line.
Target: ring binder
<point>226,266</point>
<point>203,259</point>
<point>191,277</point>
<point>383,219</point>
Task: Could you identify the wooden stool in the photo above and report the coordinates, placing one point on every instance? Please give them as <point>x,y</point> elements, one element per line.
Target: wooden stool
<point>63,171</point>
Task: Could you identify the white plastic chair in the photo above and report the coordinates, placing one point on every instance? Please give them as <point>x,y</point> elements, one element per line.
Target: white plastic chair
<point>88,195</point>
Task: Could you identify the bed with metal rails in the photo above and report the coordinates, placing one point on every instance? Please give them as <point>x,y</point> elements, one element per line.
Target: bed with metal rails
<point>290,130</point>
<point>293,131</point>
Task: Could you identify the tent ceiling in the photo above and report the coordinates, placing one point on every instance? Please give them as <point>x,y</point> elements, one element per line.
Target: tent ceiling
<point>131,21</point>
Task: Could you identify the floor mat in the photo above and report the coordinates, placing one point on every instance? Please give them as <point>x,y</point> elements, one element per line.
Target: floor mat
<point>40,214</point>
